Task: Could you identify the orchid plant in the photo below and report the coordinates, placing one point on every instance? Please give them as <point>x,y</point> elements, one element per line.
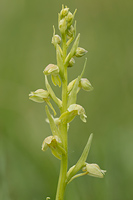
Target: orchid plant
<point>68,107</point>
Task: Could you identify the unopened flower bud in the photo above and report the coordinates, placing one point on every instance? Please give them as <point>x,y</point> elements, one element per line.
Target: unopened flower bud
<point>80,52</point>
<point>56,39</point>
<point>70,32</point>
<point>85,84</point>
<point>62,25</point>
<point>51,69</point>
<point>64,12</point>
<point>69,19</point>
<point>71,62</point>
<point>39,95</point>
<point>94,170</point>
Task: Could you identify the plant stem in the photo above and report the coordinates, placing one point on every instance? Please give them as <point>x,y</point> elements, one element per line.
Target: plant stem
<point>64,160</point>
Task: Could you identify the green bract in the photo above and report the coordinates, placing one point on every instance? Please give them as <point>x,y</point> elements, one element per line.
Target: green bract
<point>67,105</point>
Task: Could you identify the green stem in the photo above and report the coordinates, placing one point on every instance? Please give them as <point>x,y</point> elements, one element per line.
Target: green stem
<point>64,160</point>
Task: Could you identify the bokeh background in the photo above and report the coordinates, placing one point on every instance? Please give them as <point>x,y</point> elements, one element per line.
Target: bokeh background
<point>106,27</point>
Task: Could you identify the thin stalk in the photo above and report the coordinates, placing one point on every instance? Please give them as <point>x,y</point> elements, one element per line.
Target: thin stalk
<point>64,160</point>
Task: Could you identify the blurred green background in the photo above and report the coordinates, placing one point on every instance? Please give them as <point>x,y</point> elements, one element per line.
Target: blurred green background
<point>106,27</point>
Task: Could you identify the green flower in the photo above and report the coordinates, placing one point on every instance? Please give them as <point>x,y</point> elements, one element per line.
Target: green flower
<point>55,144</point>
<point>39,96</point>
<point>71,62</point>
<point>53,70</point>
<point>64,12</point>
<point>72,111</point>
<point>85,84</point>
<point>80,52</point>
<point>94,170</point>
<point>56,39</point>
